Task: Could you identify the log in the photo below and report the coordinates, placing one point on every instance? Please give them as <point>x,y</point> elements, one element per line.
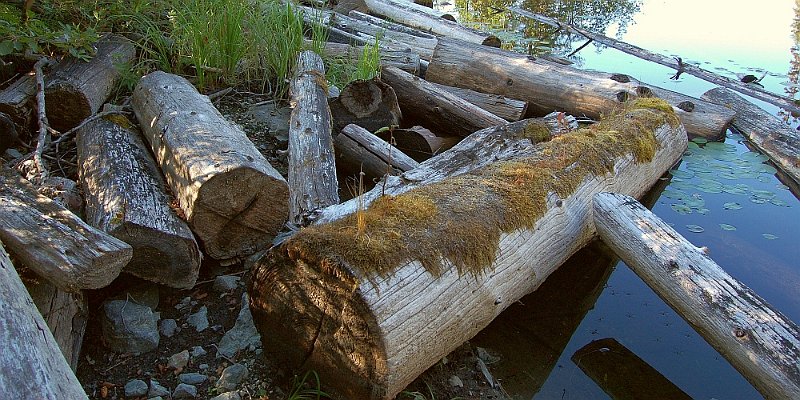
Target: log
<point>501,106</point>
<point>404,59</point>
<point>76,89</point>
<point>759,341</point>
<point>8,133</point>
<point>16,101</point>
<point>312,169</point>
<point>233,199</point>
<point>371,104</point>
<point>766,132</point>
<point>126,197</point>
<point>430,106</point>
<point>358,150</point>
<point>418,142</point>
<point>31,363</point>
<point>374,299</point>
<point>549,87</point>
<point>66,314</point>
<point>53,242</point>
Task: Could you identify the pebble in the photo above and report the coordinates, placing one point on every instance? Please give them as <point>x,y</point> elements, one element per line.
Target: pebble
<point>243,335</point>
<point>192,378</point>
<point>156,390</point>
<point>168,327</point>
<point>199,320</point>
<point>179,361</point>
<point>198,351</point>
<point>225,283</point>
<point>228,396</point>
<point>231,377</point>
<point>455,381</point>
<point>135,388</point>
<point>185,302</point>
<point>129,327</point>
<point>203,367</point>
<point>184,391</point>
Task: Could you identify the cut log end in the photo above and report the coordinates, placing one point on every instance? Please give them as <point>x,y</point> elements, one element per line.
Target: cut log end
<point>64,115</point>
<point>161,257</point>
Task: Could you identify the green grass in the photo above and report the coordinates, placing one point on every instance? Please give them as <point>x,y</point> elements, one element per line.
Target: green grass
<point>301,391</point>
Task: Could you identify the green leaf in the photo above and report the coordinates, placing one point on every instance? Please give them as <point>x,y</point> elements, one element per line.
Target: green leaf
<point>6,47</point>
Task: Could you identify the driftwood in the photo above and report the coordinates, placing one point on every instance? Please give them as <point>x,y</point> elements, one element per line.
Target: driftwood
<point>126,197</point>
<point>779,142</point>
<point>66,315</point>
<point>31,363</point>
<point>501,106</point>
<point>312,169</point>
<point>76,89</point>
<point>417,142</point>
<point>16,101</point>
<point>438,109</point>
<point>759,341</point>
<point>233,199</point>
<point>549,87</point>
<point>404,59</point>
<point>358,150</point>
<point>370,104</point>
<point>389,292</point>
<point>53,242</point>
<point>680,66</point>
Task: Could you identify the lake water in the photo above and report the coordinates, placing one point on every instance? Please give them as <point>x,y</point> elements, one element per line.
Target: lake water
<point>722,196</point>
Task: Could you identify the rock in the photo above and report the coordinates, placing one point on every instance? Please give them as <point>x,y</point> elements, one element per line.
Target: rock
<point>203,367</point>
<point>179,361</point>
<point>231,377</point>
<point>276,118</point>
<point>192,378</point>
<point>242,335</point>
<point>168,327</point>
<point>486,356</point>
<point>455,381</point>
<point>198,351</point>
<point>224,283</point>
<point>156,390</point>
<point>184,303</point>
<point>184,391</point>
<point>135,388</point>
<point>129,327</point>
<point>199,320</point>
<point>156,398</point>
<point>228,396</point>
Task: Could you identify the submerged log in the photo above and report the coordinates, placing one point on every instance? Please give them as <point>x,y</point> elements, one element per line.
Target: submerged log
<point>759,341</point>
<point>76,89</point>
<point>53,242</point>
<point>374,299</point>
<point>16,101</point>
<point>126,197</point>
<point>233,199</point>
<point>417,142</point>
<point>779,142</point>
<point>368,103</point>
<point>66,314</point>
<point>549,87</point>
<point>31,363</point>
<point>312,169</point>
<point>361,151</point>
<point>505,108</point>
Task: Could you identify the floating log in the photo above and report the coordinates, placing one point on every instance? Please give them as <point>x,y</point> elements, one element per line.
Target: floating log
<point>435,108</point>
<point>405,59</point>
<point>501,106</point>
<point>766,132</point>
<point>549,87</point>
<point>374,299</point>
<point>233,199</point>
<point>53,242</point>
<point>126,197</point>
<point>361,151</point>
<point>417,142</point>
<point>312,169</point>
<point>31,363</point>
<point>76,89</point>
<point>368,103</point>
<point>16,101</point>
<point>759,341</point>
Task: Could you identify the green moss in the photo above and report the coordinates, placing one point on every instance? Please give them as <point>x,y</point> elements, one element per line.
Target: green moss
<point>461,219</point>
<point>536,131</point>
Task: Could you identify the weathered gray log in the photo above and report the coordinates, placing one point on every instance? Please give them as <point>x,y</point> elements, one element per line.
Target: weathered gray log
<point>765,131</point>
<point>126,197</point>
<point>417,142</point>
<point>31,363</point>
<point>370,104</point>
<point>16,101</point>
<point>436,108</point>
<point>53,242</point>
<point>549,87</point>
<point>76,89</point>
<point>404,59</point>
<point>312,168</point>
<point>759,341</point>
<point>389,25</point>
<point>361,151</point>
<point>66,315</point>
<point>233,199</point>
<point>501,106</point>
<point>386,292</point>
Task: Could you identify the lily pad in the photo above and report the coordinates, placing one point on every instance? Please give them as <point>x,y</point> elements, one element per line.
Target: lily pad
<point>682,174</point>
<point>681,209</point>
<point>699,140</point>
<point>675,194</point>
<point>754,157</point>
<point>695,228</point>
<point>778,202</point>
<point>709,186</point>
<point>769,236</point>
<point>765,169</point>
<point>726,227</point>
<point>734,190</point>
<point>732,206</point>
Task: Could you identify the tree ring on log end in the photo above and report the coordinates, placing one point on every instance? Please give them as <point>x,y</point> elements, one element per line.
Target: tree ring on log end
<point>66,106</point>
<point>363,98</point>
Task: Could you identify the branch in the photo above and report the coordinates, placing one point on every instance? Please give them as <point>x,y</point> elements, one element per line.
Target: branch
<point>40,109</point>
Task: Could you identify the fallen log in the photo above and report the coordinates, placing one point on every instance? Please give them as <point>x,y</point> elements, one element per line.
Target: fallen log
<point>759,341</point>
<point>76,89</point>
<point>233,199</point>
<point>358,150</point>
<point>549,87</point>
<point>766,132</point>
<point>429,105</point>
<point>374,299</point>
<point>126,197</point>
<point>8,132</point>
<point>16,101</point>
<point>405,59</point>
<point>312,169</point>
<point>417,142</point>
<point>53,242</point>
<point>31,363</point>
<point>369,103</point>
<point>501,106</point>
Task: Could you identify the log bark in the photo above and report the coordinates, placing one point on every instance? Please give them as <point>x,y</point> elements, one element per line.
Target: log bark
<point>438,109</point>
<point>312,168</point>
<point>31,363</point>
<point>233,199</point>
<point>76,89</point>
<point>358,150</point>
<point>126,197</point>
<point>766,132</point>
<point>370,326</point>
<point>404,59</point>
<point>549,87</point>
<point>417,142</point>
<point>53,242</point>
<point>759,341</point>
<point>508,109</point>
<point>16,101</point>
<point>371,104</point>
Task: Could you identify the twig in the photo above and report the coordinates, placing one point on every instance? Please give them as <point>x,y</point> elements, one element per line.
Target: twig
<point>216,95</point>
<point>43,124</point>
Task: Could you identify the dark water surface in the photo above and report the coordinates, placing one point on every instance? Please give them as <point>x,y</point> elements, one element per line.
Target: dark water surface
<point>722,196</point>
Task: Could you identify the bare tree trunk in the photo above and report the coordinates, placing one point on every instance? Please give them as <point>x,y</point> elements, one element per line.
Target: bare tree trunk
<point>358,150</point>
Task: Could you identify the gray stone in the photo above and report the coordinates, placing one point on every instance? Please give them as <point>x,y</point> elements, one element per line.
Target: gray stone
<point>224,283</point>
<point>455,381</point>
<point>203,367</point>
<point>135,388</point>
<point>198,351</point>
<point>145,294</point>
<point>228,396</point>
<point>276,118</point>
<point>184,303</point>
<point>192,378</point>
<point>242,335</point>
<point>129,327</point>
<point>156,398</point>
<point>184,391</point>
<point>179,360</point>
<point>199,320</point>
<point>231,377</point>
<point>168,327</point>
<point>156,390</point>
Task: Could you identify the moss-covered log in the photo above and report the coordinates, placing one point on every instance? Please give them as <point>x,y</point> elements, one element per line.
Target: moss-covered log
<point>376,297</point>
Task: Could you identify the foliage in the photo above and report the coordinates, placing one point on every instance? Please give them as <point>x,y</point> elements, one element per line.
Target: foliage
<point>301,391</point>
<point>344,70</point>
<point>37,34</point>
